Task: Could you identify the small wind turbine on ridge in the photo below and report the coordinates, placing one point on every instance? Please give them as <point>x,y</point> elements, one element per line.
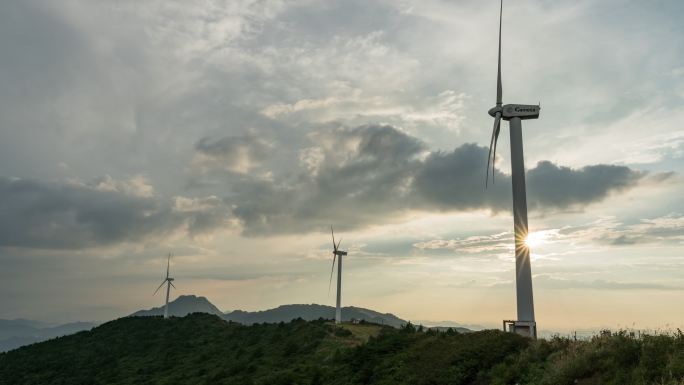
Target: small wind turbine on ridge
<point>337,254</point>
<point>168,281</point>
<point>514,114</point>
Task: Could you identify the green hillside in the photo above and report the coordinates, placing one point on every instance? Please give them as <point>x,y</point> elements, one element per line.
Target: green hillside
<point>203,349</point>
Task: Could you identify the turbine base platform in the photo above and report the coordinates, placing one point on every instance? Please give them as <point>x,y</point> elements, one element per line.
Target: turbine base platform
<point>524,328</point>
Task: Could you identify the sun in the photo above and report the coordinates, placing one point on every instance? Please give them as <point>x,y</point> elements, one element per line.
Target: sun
<point>535,239</point>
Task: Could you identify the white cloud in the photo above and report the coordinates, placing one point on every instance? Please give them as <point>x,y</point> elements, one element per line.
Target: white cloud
<point>137,186</point>
<point>473,244</point>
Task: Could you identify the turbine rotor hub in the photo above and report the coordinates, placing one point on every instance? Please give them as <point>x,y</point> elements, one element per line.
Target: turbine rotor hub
<point>492,112</point>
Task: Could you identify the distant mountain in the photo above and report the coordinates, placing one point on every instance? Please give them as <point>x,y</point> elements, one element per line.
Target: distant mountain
<point>18,327</point>
<point>188,304</point>
<point>182,306</point>
<point>457,324</point>
<point>287,313</point>
<point>19,332</point>
<point>446,328</point>
<point>20,323</point>
<point>446,325</point>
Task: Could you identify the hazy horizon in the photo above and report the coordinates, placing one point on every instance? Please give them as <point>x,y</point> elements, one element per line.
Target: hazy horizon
<point>234,133</point>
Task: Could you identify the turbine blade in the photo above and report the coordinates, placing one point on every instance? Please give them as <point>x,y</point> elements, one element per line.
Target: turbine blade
<point>499,91</point>
<point>338,245</point>
<point>333,237</point>
<point>168,262</point>
<point>174,286</point>
<point>331,273</point>
<point>162,284</point>
<point>497,120</point>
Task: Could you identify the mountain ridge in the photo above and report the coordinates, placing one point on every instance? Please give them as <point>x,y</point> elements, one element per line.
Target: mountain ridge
<point>189,304</point>
<point>310,312</point>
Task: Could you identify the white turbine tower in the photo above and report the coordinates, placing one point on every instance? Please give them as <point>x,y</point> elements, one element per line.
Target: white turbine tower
<point>337,254</point>
<point>168,281</point>
<point>514,113</point>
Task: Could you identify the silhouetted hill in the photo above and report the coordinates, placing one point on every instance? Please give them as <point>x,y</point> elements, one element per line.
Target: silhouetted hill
<point>182,306</point>
<point>203,349</point>
<point>19,332</point>
<point>286,313</point>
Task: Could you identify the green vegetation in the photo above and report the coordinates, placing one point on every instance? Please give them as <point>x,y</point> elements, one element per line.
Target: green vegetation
<point>203,349</point>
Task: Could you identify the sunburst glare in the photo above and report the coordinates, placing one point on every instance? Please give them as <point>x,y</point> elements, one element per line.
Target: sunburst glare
<point>536,238</point>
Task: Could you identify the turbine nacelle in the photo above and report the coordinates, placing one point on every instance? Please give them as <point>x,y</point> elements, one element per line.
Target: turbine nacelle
<point>339,252</point>
<point>522,111</point>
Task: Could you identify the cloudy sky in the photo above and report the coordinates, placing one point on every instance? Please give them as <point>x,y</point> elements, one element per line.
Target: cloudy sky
<point>233,133</point>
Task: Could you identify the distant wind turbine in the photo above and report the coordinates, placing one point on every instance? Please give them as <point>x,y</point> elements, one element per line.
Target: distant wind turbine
<point>337,254</point>
<point>514,113</point>
<point>168,281</point>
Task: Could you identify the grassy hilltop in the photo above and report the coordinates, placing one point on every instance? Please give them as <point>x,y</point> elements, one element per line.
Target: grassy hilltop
<point>203,349</point>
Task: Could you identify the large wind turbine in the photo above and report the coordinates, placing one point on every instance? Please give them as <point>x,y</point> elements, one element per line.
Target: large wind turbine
<point>514,114</point>
<point>168,281</point>
<point>337,254</point>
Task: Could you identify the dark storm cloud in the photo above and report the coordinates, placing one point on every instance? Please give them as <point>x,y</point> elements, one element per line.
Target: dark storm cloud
<point>46,215</point>
<point>386,144</point>
<point>359,175</point>
<point>371,174</point>
<point>37,214</point>
<point>456,181</point>
<point>561,187</point>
